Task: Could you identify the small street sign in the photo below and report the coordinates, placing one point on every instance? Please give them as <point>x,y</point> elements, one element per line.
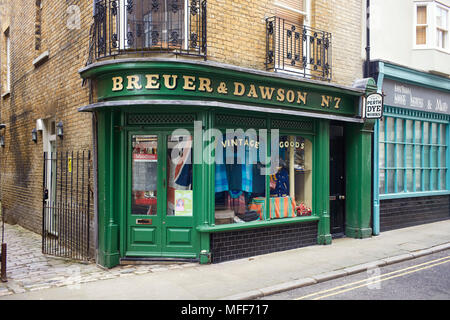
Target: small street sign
<point>373,108</point>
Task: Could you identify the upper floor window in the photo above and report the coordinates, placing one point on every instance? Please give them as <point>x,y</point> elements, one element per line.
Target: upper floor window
<point>431,26</point>
<point>421,25</point>
<point>7,61</point>
<point>295,11</point>
<point>441,27</point>
<point>149,26</point>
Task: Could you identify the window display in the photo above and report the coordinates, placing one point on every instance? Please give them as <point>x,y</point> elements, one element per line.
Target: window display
<point>240,184</point>
<point>239,179</point>
<point>293,180</point>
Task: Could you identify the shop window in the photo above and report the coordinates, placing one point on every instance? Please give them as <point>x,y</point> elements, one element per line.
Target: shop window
<point>412,156</point>
<point>294,176</point>
<point>240,180</point>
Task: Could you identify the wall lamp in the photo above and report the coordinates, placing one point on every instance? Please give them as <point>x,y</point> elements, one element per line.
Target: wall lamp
<point>59,130</point>
<point>34,135</point>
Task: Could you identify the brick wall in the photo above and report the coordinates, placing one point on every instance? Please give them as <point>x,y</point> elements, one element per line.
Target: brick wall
<point>246,243</point>
<point>407,212</point>
<point>50,90</point>
<point>237,33</point>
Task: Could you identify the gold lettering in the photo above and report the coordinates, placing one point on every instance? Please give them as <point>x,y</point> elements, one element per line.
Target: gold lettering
<point>239,89</point>
<point>152,81</point>
<point>338,101</point>
<point>189,83</point>
<point>167,82</point>
<point>204,84</point>
<point>234,143</point>
<point>301,97</point>
<point>222,88</point>
<point>266,92</point>
<point>290,96</point>
<point>325,101</point>
<point>280,95</point>
<point>133,83</point>
<point>252,92</point>
<point>117,83</point>
<point>224,144</point>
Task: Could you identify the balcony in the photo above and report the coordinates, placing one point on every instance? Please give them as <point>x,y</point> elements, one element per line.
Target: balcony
<point>298,49</point>
<point>142,27</point>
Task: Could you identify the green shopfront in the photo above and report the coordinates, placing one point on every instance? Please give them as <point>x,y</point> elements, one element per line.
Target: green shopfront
<point>208,162</point>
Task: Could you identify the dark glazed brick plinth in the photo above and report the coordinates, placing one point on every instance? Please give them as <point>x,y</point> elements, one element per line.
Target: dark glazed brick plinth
<point>407,212</point>
<point>233,245</point>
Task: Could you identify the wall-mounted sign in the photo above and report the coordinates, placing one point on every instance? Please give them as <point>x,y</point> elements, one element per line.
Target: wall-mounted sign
<point>181,81</point>
<point>405,95</point>
<point>373,108</point>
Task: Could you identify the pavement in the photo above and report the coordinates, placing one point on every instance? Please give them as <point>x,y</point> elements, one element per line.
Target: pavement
<point>35,276</point>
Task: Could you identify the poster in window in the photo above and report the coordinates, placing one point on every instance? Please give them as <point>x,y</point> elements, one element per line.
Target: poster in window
<point>183,202</point>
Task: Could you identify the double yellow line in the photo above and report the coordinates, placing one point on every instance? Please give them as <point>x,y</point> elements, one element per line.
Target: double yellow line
<point>372,280</point>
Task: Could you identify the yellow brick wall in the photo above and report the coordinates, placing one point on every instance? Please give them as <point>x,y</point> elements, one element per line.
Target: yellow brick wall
<point>237,33</point>
<point>50,90</point>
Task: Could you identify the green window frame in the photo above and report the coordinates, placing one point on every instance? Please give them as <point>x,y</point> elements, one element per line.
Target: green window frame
<point>412,155</point>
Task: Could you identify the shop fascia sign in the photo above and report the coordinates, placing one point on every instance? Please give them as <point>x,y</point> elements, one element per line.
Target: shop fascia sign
<point>240,90</point>
<point>373,106</point>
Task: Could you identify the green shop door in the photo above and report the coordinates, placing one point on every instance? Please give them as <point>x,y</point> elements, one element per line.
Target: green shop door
<point>160,212</point>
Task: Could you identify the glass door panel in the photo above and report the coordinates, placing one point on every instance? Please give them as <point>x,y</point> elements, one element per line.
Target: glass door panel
<point>144,175</point>
<point>179,175</point>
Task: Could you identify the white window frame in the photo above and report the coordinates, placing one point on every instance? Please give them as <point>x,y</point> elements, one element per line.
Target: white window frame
<point>431,26</point>
<point>446,40</point>
<point>427,26</point>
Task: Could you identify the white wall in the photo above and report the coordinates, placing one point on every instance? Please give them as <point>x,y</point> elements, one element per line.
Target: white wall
<point>392,36</point>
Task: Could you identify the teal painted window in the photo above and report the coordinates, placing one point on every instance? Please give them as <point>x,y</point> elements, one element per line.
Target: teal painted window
<point>412,155</point>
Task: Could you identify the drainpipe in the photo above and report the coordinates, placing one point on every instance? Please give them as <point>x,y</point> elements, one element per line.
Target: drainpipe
<point>375,200</point>
<point>367,70</point>
<point>375,165</point>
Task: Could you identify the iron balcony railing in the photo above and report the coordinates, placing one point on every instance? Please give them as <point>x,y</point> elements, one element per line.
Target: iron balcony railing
<point>148,26</point>
<point>298,49</point>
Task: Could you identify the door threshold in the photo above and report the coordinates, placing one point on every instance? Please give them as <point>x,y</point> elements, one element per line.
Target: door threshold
<point>338,235</point>
<point>156,260</point>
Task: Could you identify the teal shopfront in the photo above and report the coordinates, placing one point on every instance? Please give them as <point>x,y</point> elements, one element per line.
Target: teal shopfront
<point>411,149</point>
<point>208,162</point>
